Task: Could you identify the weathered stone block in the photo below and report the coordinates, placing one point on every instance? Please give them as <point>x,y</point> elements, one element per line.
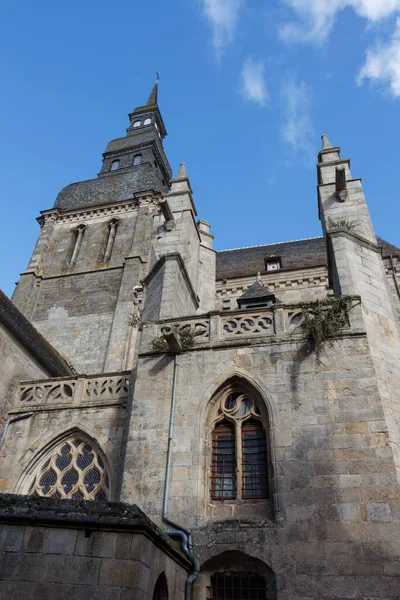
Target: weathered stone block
<point>11,538</point>
<point>379,513</point>
<point>59,541</point>
<point>119,573</point>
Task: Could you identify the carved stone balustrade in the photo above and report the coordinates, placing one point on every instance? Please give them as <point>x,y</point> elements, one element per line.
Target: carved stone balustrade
<point>103,389</point>
<point>240,327</point>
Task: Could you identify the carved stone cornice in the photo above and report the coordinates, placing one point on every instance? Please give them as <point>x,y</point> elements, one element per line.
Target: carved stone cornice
<point>274,281</point>
<point>55,215</point>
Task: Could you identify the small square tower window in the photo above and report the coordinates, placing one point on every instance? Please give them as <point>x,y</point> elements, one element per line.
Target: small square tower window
<point>272,264</point>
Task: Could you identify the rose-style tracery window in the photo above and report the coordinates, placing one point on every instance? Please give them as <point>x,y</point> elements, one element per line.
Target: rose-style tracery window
<point>73,469</point>
<point>239,466</point>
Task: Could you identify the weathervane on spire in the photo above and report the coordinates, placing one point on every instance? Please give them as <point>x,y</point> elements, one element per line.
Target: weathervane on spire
<point>157,76</point>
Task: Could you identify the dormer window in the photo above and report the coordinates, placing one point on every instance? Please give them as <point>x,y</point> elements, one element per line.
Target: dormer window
<point>256,296</point>
<point>114,165</point>
<point>272,264</point>
<point>137,123</point>
<point>147,121</point>
<point>137,160</point>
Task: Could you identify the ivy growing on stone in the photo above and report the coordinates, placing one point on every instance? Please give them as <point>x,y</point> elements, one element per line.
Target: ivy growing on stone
<point>346,224</point>
<point>186,337</point>
<point>323,320</point>
<point>159,344</point>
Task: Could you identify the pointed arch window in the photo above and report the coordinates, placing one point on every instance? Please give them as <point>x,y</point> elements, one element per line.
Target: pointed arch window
<point>73,469</point>
<point>239,465</point>
<point>75,247</point>
<point>114,165</point>
<point>112,232</point>
<point>137,159</point>
<point>161,588</point>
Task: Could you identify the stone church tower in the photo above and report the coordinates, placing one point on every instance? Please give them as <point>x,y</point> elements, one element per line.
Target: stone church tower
<point>172,429</point>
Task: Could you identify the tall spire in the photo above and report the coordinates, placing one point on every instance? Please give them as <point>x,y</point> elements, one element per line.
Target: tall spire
<point>325,142</point>
<point>152,101</point>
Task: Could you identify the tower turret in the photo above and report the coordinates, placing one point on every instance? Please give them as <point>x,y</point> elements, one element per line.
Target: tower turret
<point>133,164</point>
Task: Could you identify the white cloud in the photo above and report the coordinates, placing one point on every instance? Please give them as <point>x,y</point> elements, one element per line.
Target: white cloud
<point>223,16</point>
<point>297,129</point>
<point>317,17</point>
<point>254,87</point>
<point>382,63</point>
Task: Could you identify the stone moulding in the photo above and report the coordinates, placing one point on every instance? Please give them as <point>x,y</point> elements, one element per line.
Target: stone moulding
<point>58,216</point>
<point>111,388</point>
<point>276,324</point>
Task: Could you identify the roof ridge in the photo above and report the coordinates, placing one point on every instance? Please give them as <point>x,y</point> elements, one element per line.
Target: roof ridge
<point>319,237</point>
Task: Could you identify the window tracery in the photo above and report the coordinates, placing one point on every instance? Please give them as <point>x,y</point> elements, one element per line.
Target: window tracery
<point>73,469</point>
<point>239,464</point>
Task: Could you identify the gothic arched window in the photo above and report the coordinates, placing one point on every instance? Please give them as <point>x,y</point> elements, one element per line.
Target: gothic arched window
<point>75,246</point>
<point>137,160</point>
<point>239,465</point>
<point>75,469</point>
<point>111,233</point>
<point>114,165</point>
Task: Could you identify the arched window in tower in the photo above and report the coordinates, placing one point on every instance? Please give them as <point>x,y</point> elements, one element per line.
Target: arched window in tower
<point>147,121</point>
<point>74,469</point>
<point>239,462</point>
<point>77,239</point>
<point>137,160</point>
<point>112,232</point>
<point>114,165</point>
<point>137,123</point>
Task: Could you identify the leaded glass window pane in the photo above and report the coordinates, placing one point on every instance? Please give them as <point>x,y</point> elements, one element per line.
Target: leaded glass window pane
<point>74,470</point>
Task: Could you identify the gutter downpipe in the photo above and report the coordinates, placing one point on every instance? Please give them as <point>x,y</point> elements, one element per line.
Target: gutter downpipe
<point>12,420</point>
<point>178,531</point>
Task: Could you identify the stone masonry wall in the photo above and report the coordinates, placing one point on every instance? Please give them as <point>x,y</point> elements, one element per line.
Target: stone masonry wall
<point>16,364</point>
<point>51,556</point>
<point>357,268</point>
<point>332,527</point>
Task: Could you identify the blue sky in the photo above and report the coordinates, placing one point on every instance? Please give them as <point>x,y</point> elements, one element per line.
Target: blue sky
<point>247,88</point>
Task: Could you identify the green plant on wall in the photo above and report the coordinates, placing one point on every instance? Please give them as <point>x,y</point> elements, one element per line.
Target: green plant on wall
<point>346,224</point>
<point>323,320</point>
<point>159,344</point>
<point>186,336</point>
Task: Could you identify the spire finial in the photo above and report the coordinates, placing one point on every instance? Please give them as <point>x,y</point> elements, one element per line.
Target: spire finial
<point>258,279</point>
<point>154,92</point>
<point>182,171</point>
<point>325,142</point>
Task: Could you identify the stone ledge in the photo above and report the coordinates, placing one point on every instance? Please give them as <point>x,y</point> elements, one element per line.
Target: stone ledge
<point>88,515</point>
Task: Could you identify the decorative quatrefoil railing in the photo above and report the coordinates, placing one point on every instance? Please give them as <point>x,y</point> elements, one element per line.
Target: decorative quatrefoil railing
<point>226,328</point>
<point>75,390</point>
<point>247,325</point>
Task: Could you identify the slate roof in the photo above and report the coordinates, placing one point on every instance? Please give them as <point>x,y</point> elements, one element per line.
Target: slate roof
<point>298,254</point>
<point>257,290</point>
<point>31,339</point>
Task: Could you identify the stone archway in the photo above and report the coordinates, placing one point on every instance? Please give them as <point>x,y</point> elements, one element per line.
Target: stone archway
<point>161,588</point>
